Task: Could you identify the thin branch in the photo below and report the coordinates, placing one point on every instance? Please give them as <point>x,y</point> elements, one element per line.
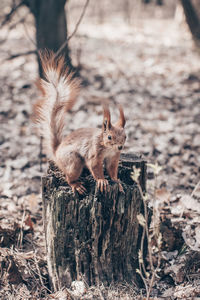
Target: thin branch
<point>75,29</point>
<point>22,54</point>
<point>13,10</point>
<point>10,28</point>
<point>80,19</point>
<point>27,34</point>
<point>18,22</point>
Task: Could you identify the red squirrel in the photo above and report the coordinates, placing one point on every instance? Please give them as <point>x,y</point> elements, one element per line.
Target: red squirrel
<point>84,147</point>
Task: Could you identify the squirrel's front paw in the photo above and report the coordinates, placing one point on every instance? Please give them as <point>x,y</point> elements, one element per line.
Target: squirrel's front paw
<point>102,185</point>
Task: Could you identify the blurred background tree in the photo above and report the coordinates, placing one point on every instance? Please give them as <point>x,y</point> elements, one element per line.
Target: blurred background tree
<point>51,25</point>
<point>192,14</point>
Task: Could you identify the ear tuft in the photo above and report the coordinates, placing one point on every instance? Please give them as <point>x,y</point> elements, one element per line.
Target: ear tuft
<point>105,124</point>
<point>121,122</point>
<point>106,118</point>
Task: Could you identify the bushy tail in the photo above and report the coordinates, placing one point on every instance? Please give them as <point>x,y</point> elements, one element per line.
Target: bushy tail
<point>59,90</point>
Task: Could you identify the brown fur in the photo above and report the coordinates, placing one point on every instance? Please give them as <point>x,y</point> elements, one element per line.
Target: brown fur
<point>90,147</point>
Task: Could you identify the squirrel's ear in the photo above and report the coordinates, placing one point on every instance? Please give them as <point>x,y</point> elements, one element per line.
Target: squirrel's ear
<point>121,122</point>
<point>106,118</point>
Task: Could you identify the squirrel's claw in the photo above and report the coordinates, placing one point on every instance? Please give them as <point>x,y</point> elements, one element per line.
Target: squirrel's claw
<point>119,184</point>
<point>102,185</point>
<point>120,187</point>
<point>79,188</point>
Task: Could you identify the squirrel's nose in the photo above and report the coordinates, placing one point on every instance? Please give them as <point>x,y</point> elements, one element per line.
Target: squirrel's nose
<point>120,147</point>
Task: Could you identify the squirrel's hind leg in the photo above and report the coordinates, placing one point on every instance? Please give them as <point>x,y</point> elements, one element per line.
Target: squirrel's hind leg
<point>73,169</point>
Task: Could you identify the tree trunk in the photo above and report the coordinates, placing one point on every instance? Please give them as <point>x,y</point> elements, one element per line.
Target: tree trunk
<point>192,15</point>
<point>95,237</point>
<point>51,26</point>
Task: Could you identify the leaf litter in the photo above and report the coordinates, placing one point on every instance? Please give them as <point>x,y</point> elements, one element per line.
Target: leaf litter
<point>155,76</point>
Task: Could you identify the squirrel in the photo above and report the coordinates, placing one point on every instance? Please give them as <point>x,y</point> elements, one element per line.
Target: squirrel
<point>84,147</point>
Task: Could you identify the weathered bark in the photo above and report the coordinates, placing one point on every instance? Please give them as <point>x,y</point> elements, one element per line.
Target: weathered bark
<point>94,236</point>
<point>51,26</point>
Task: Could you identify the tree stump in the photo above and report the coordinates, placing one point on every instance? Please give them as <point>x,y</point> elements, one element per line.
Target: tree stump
<point>96,236</point>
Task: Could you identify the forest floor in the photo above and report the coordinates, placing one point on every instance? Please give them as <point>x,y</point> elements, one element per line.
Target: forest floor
<point>155,75</point>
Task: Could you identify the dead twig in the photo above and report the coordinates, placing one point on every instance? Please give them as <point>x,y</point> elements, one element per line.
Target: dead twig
<point>38,269</point>
<point>195,189</point>
<point>75,29</point>
<point>20,237</point>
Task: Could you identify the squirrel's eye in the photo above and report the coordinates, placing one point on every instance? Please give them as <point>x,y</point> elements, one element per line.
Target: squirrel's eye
<point>109,137</point>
